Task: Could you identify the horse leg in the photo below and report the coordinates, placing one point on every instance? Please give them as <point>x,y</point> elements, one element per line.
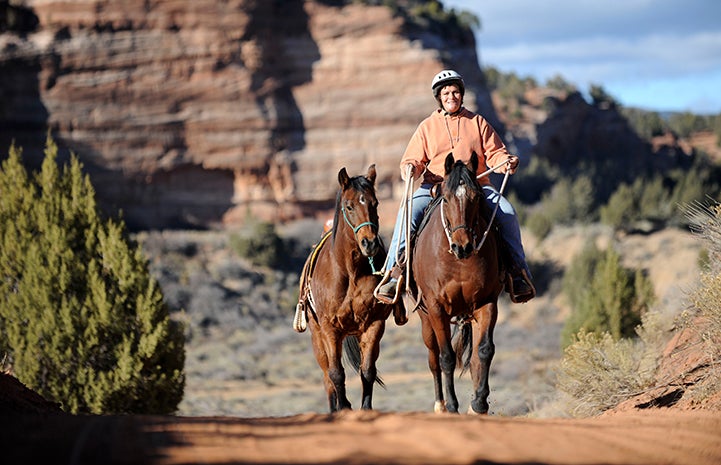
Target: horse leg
<point>370,343</point>
<point>483,351</point>
<point>336,374</point>
<point>430,341</point>
<point>448,363</point>
<point>324,356</point>
<point>441,361</point>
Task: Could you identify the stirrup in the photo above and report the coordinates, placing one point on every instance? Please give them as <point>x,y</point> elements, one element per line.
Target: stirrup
<point>520,298</point>
<point>299,321</point>
<point>383,298</point>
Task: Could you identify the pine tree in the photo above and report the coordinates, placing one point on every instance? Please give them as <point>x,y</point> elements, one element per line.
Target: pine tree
<point>82,321</point>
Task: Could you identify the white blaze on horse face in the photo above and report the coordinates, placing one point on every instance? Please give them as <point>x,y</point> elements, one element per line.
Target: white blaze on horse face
<point>362,199</point>
<point>461,191</point>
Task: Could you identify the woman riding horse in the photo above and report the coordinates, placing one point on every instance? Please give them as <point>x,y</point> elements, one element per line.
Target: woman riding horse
<point>453,128</point>
<point>461,287</point>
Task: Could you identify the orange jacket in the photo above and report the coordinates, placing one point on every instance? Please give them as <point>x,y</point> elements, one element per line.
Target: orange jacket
<point>440,133</point>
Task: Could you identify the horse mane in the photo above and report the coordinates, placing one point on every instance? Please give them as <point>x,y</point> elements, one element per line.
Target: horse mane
<point>461,175</point>
<point>336,216</point>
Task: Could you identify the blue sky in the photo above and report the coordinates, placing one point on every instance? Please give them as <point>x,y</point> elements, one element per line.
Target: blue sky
<point>662,55</point>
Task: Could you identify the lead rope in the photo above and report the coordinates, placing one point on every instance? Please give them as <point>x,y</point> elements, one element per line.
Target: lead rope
<point>406,207</point>
<point>408,217</point>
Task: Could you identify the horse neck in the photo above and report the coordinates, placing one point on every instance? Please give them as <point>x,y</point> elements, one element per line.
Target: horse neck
<point>345,248</point>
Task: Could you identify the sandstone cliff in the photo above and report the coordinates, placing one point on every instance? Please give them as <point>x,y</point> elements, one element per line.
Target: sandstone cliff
<point>205,112</point>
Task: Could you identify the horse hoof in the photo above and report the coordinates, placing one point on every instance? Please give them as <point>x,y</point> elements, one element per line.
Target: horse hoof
<point>299,323</point>
<point>471,411</point>
<point>440,407</point>
<point>399,315</point>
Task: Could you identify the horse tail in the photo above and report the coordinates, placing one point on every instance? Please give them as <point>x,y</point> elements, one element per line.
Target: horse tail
<point>351,350</point>
<point>463,346</point>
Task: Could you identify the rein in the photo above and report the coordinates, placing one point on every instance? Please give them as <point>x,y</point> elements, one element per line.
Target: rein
<point>355,234</point>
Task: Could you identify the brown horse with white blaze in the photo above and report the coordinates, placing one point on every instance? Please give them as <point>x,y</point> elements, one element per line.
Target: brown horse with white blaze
<point>340,277</point>
<point>457,278</point>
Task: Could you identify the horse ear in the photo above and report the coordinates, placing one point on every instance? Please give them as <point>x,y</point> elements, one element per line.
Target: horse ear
<point>449,162</point>
<point>474,162</point>
<point>371,175</point>
<point>343,178</point>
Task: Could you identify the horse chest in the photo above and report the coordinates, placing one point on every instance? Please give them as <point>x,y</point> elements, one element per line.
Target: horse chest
<point>455,283</point>
<point>350,304</point>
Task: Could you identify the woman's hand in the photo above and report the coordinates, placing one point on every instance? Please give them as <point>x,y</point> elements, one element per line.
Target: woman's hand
<point>512,164</point>
<point>405,172</point>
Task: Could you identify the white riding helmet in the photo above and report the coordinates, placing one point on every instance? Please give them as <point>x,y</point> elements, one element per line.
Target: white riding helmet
<point>445,77</point>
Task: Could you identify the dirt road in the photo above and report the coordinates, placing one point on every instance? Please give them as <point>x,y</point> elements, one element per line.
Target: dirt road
<point>652,437</point>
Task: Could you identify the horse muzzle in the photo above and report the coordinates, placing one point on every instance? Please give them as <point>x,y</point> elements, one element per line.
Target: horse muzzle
<point>369,246</point>
<point>462,251</point>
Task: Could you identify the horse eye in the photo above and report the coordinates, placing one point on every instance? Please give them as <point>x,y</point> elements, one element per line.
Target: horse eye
<point>349,206</point>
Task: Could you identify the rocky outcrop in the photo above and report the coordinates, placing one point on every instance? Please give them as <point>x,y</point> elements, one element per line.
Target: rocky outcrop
<point>593,139</point>
<point>205,112</point>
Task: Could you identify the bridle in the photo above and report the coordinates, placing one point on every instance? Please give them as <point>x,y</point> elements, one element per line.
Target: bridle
<point>449,231</point>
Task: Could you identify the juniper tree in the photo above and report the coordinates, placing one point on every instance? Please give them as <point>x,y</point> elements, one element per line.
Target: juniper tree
<point>82,322</point>
<point>605,296</point>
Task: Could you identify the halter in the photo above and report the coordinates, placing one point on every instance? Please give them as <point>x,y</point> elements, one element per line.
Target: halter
<point>356,228</point>
<point>355,233</point>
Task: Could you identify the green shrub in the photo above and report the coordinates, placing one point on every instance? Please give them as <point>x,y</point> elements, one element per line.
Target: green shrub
<point>645,199</point>
<point>569,201</point>
<point>693,185</point>
<point>604,296</point>
<point>81,320</point>
<point>646,124</point>
<point>621,208</point>
<point>654,201</point>
<point>260,244</point>
<point>600,97</point>
<point>539,224</point>
<point>557,82</point>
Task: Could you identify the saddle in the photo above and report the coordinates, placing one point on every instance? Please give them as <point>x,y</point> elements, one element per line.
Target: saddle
<point>305,296</point>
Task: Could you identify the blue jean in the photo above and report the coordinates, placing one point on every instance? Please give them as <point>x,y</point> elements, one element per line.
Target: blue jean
<point>506,218</point>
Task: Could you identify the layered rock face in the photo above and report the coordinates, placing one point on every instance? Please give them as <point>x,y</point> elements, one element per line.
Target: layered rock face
<point>210,112</point>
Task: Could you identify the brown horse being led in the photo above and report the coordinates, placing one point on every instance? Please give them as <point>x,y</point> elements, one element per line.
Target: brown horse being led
<point>342,312</point>
<point>457,279</point>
